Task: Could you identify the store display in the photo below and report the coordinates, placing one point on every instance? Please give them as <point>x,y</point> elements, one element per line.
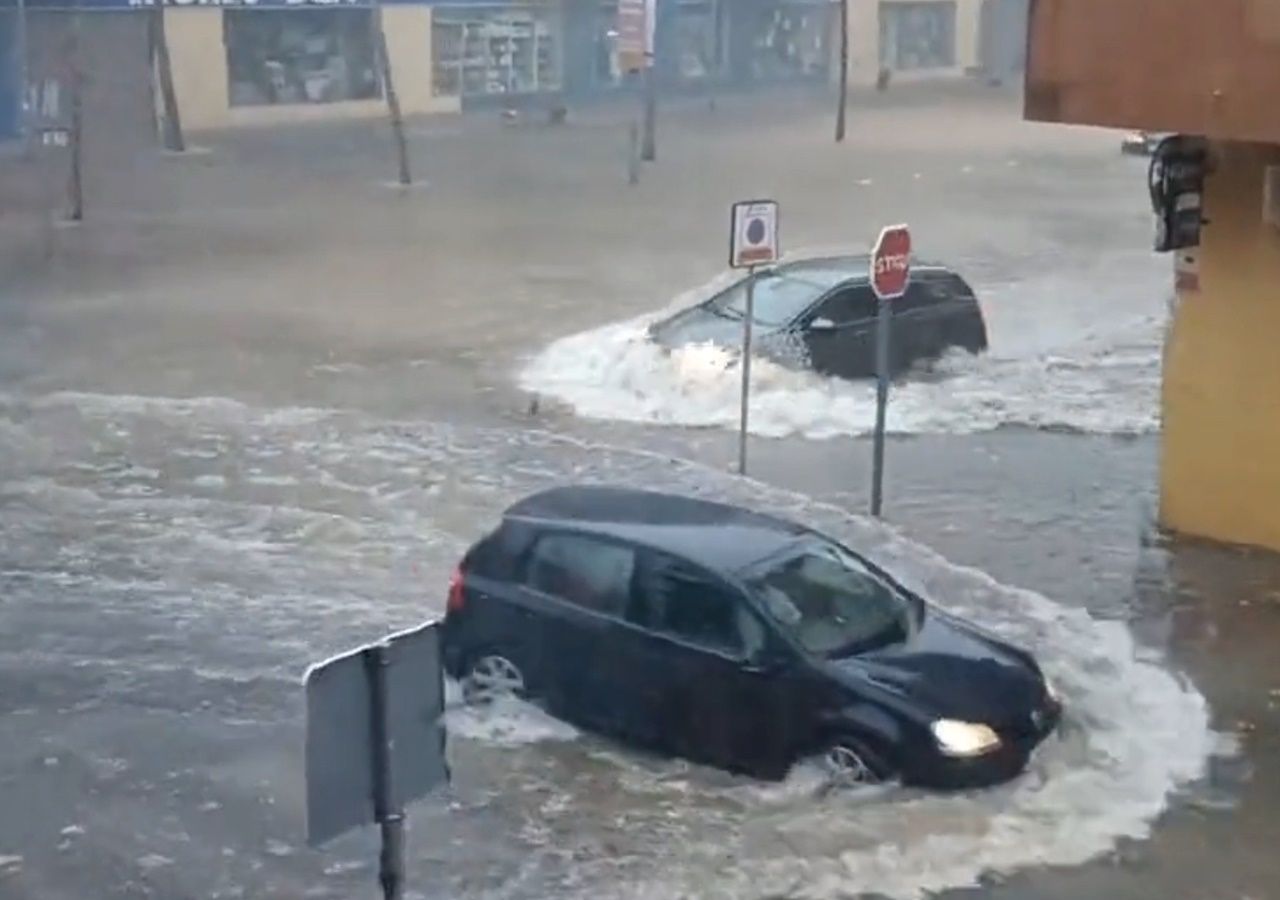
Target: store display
<point>299,56</point>
<point>506,52</point>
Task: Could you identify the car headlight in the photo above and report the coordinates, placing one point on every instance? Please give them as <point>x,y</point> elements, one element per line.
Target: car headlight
<point>964,738</point>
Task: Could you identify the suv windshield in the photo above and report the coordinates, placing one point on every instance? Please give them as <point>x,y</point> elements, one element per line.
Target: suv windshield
<point>778,299</point>
<point>830,602</point>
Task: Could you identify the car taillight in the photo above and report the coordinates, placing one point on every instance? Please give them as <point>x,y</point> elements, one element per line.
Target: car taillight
<point>457,596</point>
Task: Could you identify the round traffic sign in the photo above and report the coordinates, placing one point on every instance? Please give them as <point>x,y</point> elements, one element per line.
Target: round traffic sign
<point>891,263</point>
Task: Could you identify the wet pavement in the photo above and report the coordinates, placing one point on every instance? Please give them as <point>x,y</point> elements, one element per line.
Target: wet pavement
<point>352,359</point>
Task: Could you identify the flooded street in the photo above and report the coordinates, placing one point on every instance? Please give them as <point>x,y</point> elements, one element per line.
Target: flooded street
<point>255,414</point>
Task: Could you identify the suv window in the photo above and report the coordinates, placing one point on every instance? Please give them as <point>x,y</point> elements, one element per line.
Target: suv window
<point>676,599</point>
<point>848,306</point>
<point>584,571</point>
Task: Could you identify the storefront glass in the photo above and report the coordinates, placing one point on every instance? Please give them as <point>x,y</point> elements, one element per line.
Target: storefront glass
<point>300,56</point>
<point>790,40</point>
<point>695,37</point>
<point>918,35</point>
<point>480,51</point>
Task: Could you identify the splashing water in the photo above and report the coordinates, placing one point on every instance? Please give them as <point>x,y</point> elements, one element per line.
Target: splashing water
<point>317,521</point>
<point>1059,359</point>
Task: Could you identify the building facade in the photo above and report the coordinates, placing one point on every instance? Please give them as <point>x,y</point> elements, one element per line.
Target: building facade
<point>1210,71</point>
<point>248,62</point>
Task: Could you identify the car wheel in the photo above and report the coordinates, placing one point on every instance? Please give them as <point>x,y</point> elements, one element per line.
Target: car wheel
<point>850,762</point>
<point>490,677</point>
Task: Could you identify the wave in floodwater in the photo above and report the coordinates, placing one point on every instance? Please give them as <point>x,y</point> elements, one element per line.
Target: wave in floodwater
<point>248,541</point>
<point>1079,352</point>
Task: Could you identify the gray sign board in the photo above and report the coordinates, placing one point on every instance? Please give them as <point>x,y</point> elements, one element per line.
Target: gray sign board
<point>375,732</point>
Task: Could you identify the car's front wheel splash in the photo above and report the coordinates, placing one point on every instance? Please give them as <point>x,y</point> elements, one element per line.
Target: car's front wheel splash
<point>491,678</point>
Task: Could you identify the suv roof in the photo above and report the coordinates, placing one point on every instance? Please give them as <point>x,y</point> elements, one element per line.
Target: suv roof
<point>835,270</point>
<point>715,535</point>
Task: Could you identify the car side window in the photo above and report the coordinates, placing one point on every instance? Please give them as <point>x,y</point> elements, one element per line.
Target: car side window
<point>676,599</point>
<point>848,306</point>
<point>584,571</point>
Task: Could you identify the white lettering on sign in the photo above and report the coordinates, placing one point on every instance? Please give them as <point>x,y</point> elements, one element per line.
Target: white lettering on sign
<point>896,262</point>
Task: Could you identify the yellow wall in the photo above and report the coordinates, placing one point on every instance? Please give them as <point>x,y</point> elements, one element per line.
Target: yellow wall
<point>1220,475</point>
<point>199,65</point>
<point>199,62</point>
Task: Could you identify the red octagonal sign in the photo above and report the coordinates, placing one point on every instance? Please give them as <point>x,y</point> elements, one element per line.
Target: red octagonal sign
<point>891,262</point>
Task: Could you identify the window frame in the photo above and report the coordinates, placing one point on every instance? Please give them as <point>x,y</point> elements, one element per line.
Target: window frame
<point>525,564</point>
<point>737,597</point>
<point>816,311</point>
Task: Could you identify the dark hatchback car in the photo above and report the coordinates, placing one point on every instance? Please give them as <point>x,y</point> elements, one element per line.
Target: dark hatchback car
<point>820,314</point>
<point>736,639</point>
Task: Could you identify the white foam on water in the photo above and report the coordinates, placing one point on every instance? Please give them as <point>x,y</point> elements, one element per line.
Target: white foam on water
<point>1136,733</point>
<point>1059,358</point>
<point>507,722</point>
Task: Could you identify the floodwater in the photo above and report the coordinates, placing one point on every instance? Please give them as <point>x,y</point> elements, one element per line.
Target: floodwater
<point>237,436</point>
<point>199,553</point>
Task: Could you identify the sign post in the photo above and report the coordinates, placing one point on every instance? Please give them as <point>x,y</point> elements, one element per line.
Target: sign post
<point>375,741</point>
<point>753,241</point>
<point>890,276</point>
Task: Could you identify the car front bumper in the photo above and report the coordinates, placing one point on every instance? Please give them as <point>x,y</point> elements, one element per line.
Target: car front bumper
<point>1002,764</point>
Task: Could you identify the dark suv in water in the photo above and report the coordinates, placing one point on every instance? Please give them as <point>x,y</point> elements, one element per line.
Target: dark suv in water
<point>736,639</point>
<point>820,314</point>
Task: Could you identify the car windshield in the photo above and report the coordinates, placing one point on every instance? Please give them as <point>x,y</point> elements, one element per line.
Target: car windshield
<point>830,602</point>
<point>778,299</point>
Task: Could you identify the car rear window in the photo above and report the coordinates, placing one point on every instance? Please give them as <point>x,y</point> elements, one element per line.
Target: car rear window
<point>584,571</point>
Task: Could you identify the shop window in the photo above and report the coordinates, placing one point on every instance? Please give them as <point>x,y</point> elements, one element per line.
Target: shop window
<point>791,41</point>
<point>500,51</point>
<point>918,35</point>
<point>300,56</point>
<point>696,44</point>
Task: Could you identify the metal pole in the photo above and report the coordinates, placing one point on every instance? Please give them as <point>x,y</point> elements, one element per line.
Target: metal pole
<point>390,819</point>
<point>746,369</point>
<point>76,187</point>
<point>392,98</point>
<point>171,133</point>
<point>884,322</point>
<point>24,76</point>
<point>841,110</point>
<point>633,154</point>
<point>649,148</point>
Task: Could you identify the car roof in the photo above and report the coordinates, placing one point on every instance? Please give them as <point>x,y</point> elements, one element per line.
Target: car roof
<point>830,271</point>
<point>717,536</point>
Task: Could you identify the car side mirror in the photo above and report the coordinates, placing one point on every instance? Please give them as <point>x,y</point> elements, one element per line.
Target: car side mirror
<point>821,324</point>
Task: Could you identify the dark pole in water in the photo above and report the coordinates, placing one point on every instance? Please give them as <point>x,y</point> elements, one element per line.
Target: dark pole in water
<point>390,818</point>
<point>392,98</point>
<point>746,370</point>
<point>883,324</point>
<point>843,90</point>
<point>649,145</point>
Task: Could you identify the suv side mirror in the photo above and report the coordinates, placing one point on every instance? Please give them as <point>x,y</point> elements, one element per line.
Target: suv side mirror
<point>822,324</point>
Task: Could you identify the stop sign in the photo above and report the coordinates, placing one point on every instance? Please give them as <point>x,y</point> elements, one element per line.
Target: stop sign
<point>891,262</point>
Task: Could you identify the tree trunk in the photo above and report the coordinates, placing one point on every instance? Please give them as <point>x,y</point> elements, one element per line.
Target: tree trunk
<point>649,140</point>
<point>171,120</point>
<point>75,70</point>
<point>393,102</point>
<point>843,91</point>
